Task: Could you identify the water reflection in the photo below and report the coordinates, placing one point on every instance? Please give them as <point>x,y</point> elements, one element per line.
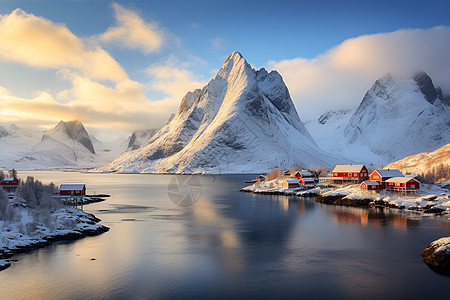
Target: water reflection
<point>375,217</point>
<point>229,244</point>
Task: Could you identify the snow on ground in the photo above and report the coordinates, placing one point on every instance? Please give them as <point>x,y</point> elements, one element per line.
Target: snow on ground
<point>432,195</point>
<point>27,227</point>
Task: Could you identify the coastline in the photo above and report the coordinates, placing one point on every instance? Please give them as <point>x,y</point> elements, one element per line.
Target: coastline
<point>16,242</point>
<point>351,196</point>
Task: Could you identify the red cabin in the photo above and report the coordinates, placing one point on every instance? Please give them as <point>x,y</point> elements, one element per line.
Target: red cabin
<point>356,173</point>
<point>402,184</point>
<point>381,176</point>
<point>9,181</point>
<point>72,190</point>
<point>370,186</point>
<point>307,181</point>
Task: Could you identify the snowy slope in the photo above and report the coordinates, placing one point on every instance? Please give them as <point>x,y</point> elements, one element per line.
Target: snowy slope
<point>399,118</point>
<point>423,162</point>
<point>243,120</point>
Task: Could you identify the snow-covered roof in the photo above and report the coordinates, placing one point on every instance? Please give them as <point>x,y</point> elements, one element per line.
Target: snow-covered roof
<point>389,173</point>
<point>71,187</point>
<point>400,179</point>
<point>291,181</point>
<point>8,179</point>
<point>348,168</point>
<point>370,182</point>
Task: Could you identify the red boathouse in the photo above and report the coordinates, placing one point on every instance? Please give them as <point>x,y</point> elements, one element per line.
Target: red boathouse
<point>72,190</point>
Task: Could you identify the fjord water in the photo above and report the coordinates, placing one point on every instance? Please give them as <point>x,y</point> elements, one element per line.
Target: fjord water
<point>228,244</point>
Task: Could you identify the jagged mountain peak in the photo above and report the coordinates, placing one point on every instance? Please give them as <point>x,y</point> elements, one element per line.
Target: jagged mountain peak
<point>75,130</point>
<point>243,120</point>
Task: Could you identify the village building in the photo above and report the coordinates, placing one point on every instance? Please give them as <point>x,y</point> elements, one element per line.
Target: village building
<point>370,185</point>
<point>75,190</point>
<point>382,175</point>
<point>9,184</point>
<point>403,185</point>
<point>348,174</point>
<point>290,184</point>
<point>307,181</point>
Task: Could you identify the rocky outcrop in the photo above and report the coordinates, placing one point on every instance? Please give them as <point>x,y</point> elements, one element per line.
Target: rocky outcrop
<point>437,256</point>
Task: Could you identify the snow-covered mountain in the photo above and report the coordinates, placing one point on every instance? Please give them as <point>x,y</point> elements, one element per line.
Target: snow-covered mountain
<point>423,163</point>
<point>396,118</point>
<point>400,118</point>
<point>243,120</point>
<point>68,145</point>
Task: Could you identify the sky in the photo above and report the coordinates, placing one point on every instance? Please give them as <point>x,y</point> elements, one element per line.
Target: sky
<point>125,65</point>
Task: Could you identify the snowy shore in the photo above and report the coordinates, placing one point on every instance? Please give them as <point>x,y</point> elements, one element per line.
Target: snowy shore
<point>433,199</point>
<point>32,229</point>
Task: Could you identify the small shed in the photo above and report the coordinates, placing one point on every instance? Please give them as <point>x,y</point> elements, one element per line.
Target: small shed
<point>9,181</point>
<point>370,185</point>
<point>290,184</point>
<point>72,190</point>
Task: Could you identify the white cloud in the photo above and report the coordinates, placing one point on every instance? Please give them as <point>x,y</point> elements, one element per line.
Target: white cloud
<point>340,77</point>
<point>174,79</point>
<point>133,32</point>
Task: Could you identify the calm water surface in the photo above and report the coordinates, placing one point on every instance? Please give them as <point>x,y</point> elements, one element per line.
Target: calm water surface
<point>229,244</point>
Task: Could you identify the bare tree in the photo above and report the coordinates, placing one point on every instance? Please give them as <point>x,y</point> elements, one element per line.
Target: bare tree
<point>13,173</point>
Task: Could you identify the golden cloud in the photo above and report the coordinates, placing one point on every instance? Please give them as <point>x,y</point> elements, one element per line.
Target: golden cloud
<point>133,32</point>
<point>38,42</point>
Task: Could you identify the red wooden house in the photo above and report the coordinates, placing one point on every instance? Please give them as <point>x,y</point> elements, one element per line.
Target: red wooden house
<point>403,184</point>
<point>77,190</point>
<point>349,173</point>
<point>381,176</point>
<point>370,185</point>
<point>9,182</point>
<point>307,181</point>
<point>290,184</point>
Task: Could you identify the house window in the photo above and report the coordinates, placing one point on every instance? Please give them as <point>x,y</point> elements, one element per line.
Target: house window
<point>413,186</point>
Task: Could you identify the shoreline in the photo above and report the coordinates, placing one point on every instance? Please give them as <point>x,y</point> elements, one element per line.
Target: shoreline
<point>356,201</point>
<point>87,226</point>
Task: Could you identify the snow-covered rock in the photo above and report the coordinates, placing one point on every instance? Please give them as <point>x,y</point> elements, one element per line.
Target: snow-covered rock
<point>399,118</point>
<point>437,255</point>
<point>242,121</point>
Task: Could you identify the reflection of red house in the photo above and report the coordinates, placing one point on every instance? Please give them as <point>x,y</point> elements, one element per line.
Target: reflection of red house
<point>72,190</point>
<point>370,186</point>
<point>9,182</point>
<point>381,176</point>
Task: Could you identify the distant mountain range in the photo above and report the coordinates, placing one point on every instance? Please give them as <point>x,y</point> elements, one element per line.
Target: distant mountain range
<point>244,121</point>
<point>67,145</point>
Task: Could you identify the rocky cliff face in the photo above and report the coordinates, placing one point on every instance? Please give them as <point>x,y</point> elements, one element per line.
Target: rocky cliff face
<point>243,120</point>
